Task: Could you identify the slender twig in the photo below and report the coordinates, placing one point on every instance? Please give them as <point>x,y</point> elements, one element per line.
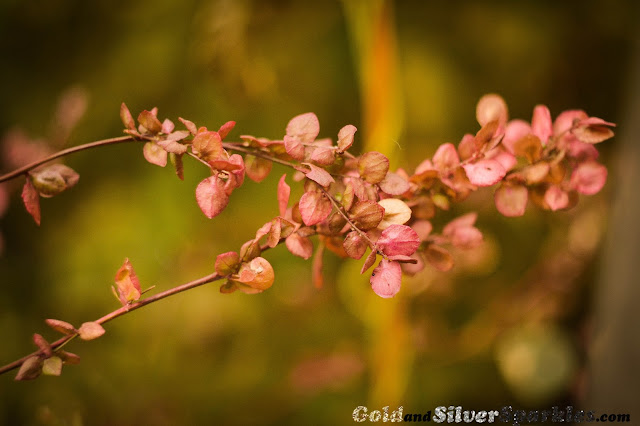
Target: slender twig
<point>126,309</point>
<point>346,217</point>
<point>66,152</point>
<point>231,146</point>
<point>120,312</point>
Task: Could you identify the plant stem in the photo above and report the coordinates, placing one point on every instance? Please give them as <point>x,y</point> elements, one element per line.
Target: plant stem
<point>118,313</point>
<point>65,152</point>
<point>344,215</point>
<point>231,146</point>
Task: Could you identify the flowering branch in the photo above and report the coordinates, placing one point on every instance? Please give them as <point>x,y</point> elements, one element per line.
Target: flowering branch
<point>350,202</point>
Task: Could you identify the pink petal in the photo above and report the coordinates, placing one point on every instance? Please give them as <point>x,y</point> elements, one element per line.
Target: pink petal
<point>589,178</point>
<point>319,175</point>
<point>467,237</point>
<point>314,208</point>
<point>294,148</point>
<point>507,159</point>
<point>541,123</point>
<point>345,137</point>
<point>511,201</point>
<point>446,157</point>
<point>556,198</point>
<point>284,191</point>
<point>485,172</point>
<point>463,221</point>
<point>398,240</point>
<point>516,130</point>
<point>565,120</point>
<point>299,246</point>
<point>211,196</point>
<point>304,127</point>
<point>226,128</point>
<point>491,107</point>
<point>386,278</point>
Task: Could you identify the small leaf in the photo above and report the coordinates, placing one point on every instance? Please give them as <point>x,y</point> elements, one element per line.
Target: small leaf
<point>257,168</point>
<point>52,366</point>
<point>68,357</point>
<point>176,160</point>
<point>126,117</point>
<point>529,147</point>
<point>511,200</point>
<point>446,157</point>
<point>168,126</point>
<point>257,274</point>
<point>30,369</point>
<point>53,179</point>
<point>398,240</point>
<point>172,146</point>
<point>191,127</point>
<point>284,191</point>
<point>228,287</point>
<point>127,283</point>
<point>515,130</point>
<point>438,257</point>
<point>42,344</point>
<point>90,331</point>
<point>31,200</point>
<point>316,268</point>
<point>369,261</point>
<point>491,107</point>
<point>386,278</point>
<point>345,137</point>
<point>155,154</point>
<point>211,196</point>
<point>396,212</point>
<point>150,122</point>
<point>226,128</point>
<point>294,148</point>
<point>61,326</point>
<point>323,155</point>
<point>366,214</point>
<point>423,228</point>
<point>556,198</point>
<point>593,130</point>
<point>541,125</point>
<point>467,237</point>
<point>299,246</point>
<point>484,172</point>
<point>208,146</point>
<point>355,245</point>
<point>535,173</point>
<point>463,221</point>
<point>304,127</point>
<point>319,175</point>
<point>314,208</point>
<point>394,184</point>
<point>249,250</point>
<point>467,146</point>
<point>589,178</point>
<point>373,166</point>
<point>227,263</point>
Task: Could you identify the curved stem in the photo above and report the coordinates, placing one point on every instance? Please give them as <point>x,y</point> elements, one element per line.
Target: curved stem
<point>232,146</point>
<point>346,217</point>
<point>65,152</point>
<point>118,313</point>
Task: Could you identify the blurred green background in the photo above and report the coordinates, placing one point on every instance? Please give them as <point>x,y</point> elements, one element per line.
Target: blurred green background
<point>514,323</point>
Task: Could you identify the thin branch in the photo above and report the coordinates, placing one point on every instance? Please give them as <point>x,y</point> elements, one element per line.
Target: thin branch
<point>120,312</point>
<point>231,146</point>
<point>344,215</point>
<point>65,152</point>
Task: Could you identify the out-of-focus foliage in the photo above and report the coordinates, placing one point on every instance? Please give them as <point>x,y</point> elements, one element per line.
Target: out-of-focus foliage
<point>509,314</point>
